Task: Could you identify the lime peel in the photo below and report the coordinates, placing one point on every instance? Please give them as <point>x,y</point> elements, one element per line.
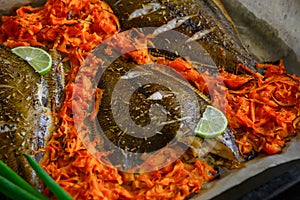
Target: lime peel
<point>37,58</point>
<point>212,123</point>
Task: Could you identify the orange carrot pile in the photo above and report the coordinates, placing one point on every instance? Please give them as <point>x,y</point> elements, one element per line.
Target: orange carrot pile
<point>263,111</point>
<point>75,27</point>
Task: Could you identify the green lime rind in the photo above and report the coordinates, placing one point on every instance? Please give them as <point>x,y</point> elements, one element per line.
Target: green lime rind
<point>37,58</point>
<point>212,124</point>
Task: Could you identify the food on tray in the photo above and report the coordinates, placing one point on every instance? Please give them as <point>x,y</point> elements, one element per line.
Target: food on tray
<point>34,105</point>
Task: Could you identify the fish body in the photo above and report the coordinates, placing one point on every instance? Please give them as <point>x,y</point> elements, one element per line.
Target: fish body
<point>26,103</point>
<point>205,22</point>
<point>145,108</point>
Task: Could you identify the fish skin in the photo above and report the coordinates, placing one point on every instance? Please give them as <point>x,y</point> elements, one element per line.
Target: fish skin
<point>223,148</point>
<point>26,103</point>
<point>222,42</point>
<point>115,72</point>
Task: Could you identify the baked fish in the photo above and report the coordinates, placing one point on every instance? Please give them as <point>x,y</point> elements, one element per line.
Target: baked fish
<point>205,22</point>
<point>27,102</point>
<point>145,108</point>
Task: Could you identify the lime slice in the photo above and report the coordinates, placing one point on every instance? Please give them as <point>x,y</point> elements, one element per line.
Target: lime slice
<point>212,123</point>
<point>38,58</point>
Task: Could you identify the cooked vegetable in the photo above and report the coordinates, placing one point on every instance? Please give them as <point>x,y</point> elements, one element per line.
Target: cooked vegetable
<point>261,123</point>
<point>63,27</point>
<point>296,124</point>
<point>263,111</point>
<point>59,193</point>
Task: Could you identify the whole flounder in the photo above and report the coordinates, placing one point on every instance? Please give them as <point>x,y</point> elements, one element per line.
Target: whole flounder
<point>203,21</point>
<point>161,99</point>
<point>26,103</point>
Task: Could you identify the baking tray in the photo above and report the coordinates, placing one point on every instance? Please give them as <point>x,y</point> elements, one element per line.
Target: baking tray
<point>270,30</point>
<point>277,183</point>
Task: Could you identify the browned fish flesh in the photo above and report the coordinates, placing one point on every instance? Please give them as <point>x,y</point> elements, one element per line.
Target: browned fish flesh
<point>26,103</point>
<point>203,21</point>
<point>170,90</point>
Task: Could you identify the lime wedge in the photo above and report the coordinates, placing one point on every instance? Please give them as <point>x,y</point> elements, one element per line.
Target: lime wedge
<point>38,58</point>
<point>212,123</point>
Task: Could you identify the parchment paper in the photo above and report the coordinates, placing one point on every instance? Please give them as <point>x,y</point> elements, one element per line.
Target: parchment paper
<point>232,178</point>
<point>9,6</point>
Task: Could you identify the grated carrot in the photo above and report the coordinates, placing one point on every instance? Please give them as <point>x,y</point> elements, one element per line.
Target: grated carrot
<point>263,111</point>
